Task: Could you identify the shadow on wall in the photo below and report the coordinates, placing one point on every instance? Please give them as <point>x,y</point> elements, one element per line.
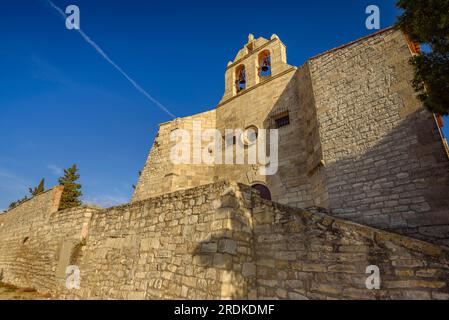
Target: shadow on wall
<point>291,254</point>
<point>297,182</point>
<point>303,255</point>
<point>371,165</point>
<point>227,252</point>
<point>399,183</point>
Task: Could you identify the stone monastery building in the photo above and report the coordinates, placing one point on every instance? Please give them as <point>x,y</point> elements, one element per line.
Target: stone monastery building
<point>362,181</point>
<point>353,138</point>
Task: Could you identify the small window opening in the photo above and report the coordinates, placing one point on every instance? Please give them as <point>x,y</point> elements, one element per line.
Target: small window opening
<point>265,64</point>
<point>282,121</point>
<point>240,81</point>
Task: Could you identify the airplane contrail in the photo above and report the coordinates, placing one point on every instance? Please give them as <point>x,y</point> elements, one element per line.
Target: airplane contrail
<point>117,67</point>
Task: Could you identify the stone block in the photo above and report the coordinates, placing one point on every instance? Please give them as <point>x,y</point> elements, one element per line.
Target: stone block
<point>249,269</point>
<point>222,261</point>
<point>227,246</point>
<point>209,247</point>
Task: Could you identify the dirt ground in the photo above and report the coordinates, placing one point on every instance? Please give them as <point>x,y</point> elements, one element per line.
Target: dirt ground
<point>8,292</point>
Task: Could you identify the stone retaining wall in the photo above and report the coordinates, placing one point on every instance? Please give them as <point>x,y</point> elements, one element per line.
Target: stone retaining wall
<point>36,241</point>
<point>218,241</point>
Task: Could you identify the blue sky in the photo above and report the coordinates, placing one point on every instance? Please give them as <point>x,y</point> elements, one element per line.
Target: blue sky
<point>62,103</point>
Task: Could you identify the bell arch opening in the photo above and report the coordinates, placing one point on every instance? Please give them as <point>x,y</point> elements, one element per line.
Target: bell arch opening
<point>240,78</point>
<point>264,63</point>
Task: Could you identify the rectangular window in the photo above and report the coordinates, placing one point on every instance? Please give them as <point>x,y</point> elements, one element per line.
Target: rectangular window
<point>282,121</point>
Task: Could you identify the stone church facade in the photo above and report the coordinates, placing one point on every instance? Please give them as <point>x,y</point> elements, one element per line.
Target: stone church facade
<point>354,143</point>
<point>353,138</point>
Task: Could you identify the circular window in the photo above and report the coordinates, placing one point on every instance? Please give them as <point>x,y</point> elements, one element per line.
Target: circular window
<point>249,136</point>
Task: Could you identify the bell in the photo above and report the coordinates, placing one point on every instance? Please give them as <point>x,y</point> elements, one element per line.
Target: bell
<point>241,77</point>
<point>265,65</point>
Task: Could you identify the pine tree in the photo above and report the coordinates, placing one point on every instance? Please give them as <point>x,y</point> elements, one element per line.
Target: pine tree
<point>72,190</point>
<point>427,22</point>
<point>39,189</point>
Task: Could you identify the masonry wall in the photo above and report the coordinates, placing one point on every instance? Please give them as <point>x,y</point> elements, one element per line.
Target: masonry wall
<point>248,57</point>
<point>304,255</point>
<point>185,245</point>
<point>157,175</point>
<point>358,144</point>
<point>288,91</point>
<point>311,169</point>
<point>196,173</point>
<point>385,163</point>
<point>258,107</point>
<point>160,174</point>
<point>218,241</point>
<point>36,241</point>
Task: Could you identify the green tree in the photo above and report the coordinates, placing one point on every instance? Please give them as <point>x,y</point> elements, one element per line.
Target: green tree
<point>72,190</point>
<point>17,203</point>
<point>38,190</point>
<point>427,22</point>
<point>33,192</point>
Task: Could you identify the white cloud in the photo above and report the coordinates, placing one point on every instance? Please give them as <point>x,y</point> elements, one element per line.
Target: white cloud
<point>57,171</point>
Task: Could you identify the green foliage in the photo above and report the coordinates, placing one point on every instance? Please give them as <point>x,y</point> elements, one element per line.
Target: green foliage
<point>37,190</point>
<point>72,190</point>
<point>33,192</point>
<point>427,22</point>
<point>17,203</point>
<point>433,71</point>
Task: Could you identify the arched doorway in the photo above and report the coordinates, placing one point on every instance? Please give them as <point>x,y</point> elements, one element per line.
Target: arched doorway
<point>264,191</point>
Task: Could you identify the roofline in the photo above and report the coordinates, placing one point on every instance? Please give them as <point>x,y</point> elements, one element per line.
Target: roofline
<point>310,59</point>
<point>355,41</point>
<point>236,62</point>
